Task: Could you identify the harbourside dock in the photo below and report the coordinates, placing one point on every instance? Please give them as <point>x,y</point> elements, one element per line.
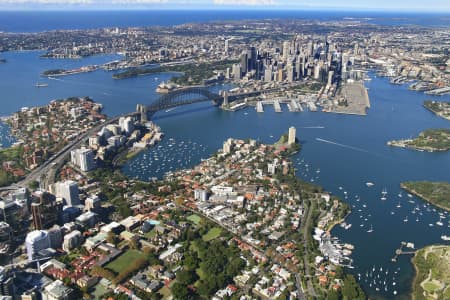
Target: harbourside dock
<point>400,251</point>
<point>259,107</point>
<point>277,106</point>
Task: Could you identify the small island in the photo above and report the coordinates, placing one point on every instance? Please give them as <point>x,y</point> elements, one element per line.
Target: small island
<point>432,279</point>
<point>437,193</point>
<point>429,140</point>
<point>442,109</point>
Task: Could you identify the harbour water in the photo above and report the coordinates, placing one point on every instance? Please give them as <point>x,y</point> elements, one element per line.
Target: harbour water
<point>348,151</point>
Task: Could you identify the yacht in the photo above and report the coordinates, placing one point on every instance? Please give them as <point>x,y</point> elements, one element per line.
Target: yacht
<point>445,237</point>
<point>370,184</point>
<point>406,219</point>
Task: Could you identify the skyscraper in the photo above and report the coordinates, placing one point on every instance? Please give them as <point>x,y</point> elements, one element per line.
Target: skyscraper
<point>244,62</point>
<point>291,135</point>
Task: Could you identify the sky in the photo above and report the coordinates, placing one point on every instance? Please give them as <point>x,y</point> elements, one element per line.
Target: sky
<point>437,6</point>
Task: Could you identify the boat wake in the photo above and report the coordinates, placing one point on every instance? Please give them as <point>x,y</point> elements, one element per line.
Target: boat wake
<point>313,127</point>
<point>342,145</point>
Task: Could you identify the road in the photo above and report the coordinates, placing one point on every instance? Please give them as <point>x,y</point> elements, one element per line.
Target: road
<point>306,234</point>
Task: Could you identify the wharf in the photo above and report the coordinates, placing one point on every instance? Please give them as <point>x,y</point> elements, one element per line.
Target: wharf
<point>356,100</point>
<point>400,251</point>
<point>259,107</point>
<point>277,106</point>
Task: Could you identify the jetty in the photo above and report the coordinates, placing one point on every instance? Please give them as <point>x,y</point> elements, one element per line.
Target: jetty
<point>400,250</point>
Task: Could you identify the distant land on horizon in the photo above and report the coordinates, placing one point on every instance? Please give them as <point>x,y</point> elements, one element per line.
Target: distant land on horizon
<point>46,20</point>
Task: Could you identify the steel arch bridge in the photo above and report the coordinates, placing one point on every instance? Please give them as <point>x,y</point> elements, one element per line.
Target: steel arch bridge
<point>184,97</point>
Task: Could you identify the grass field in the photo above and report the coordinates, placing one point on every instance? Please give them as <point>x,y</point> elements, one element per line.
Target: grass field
<point>212,234</point>
<point>124,260</point>
<point>194,219</point>
<point>431,287</point>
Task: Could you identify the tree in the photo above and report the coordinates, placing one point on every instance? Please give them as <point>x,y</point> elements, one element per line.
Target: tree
<point>112,238</point>
<point>180,291</point>
<point>133,244</point>
<point>186,277</point>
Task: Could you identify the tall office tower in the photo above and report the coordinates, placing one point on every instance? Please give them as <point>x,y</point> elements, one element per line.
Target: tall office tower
<point>259,69</point>
<point>268,74</point>
<point>286,46</point>
<point>226,46</point>
<point>237,72</point>
<point>291,135</point>
<point>252,57</point>
<point>68,190</point>
<point>330,78</point>
<point>310,50</point>
<point>244,62</point>
<point>290,73</point>
<point>36,241</point>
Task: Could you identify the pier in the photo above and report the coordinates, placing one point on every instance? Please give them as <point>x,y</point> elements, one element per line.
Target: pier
<point>277,106</point>
<point>400,251</point>
<point>259,107</point>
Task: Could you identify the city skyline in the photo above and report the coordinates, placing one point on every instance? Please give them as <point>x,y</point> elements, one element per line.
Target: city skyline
<point>382,5</point>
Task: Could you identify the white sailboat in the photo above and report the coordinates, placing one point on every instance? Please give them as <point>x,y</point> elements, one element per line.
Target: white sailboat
<point>370,230</point>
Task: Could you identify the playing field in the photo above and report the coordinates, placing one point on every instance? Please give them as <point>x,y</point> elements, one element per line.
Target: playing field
<point>125,260</point>
<point>212,234</point>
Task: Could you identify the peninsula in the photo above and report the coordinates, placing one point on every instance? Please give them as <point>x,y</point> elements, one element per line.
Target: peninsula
<point>442,109</point>
<point>429,140</point>
<point>432,279</point>
<point>437,193</point>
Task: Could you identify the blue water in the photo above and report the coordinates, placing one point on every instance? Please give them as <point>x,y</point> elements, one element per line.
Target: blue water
<point>359,155</point>
<point>36,21</point>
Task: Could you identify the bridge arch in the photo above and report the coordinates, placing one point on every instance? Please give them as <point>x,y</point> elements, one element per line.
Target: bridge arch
<point>183,97</point>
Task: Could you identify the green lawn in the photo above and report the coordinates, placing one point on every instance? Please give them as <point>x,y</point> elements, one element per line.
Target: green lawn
<point>430,286</point>
<point>99,291</point>
<point>212,234</point>
<point>165,292</point>
<point>194,219</point>
<point>123,261</point>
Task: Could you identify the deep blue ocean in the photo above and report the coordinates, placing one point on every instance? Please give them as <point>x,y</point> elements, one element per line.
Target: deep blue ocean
<point>35,21</point>
<point>355,151</point>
